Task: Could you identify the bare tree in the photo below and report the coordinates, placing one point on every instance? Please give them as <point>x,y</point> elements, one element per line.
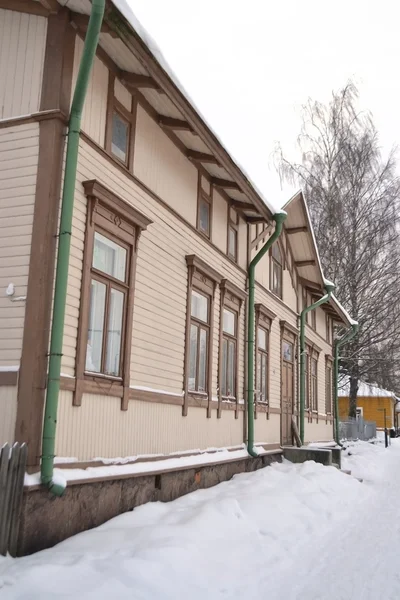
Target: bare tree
<point>353,195</point>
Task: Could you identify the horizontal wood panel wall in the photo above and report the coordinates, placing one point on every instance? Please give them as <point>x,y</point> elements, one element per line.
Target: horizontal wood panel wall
<point>99,428</point>
<point>19,151</point>
<point>22,43</point>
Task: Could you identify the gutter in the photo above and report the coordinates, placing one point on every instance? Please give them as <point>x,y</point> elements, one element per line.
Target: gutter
<point>338,344</point>
<point>279,219</point>
<point>64,244</point>
<point>329,287</point>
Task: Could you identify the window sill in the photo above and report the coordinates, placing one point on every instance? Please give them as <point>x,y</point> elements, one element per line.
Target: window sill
<point>101,377</point>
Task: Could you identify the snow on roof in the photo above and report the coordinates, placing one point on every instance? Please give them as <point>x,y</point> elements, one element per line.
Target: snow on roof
<point>364,389</point>
<point>346,314</point>
<point>127,12</point>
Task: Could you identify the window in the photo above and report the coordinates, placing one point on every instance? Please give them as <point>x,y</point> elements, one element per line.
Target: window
<point>204,205</point>
<point>120,137</point>
<point>229,344</point>
<point>314,384</point>
<point>202,281</point>
<point>262,364</point>
<point>109,287</point>
<point>231,298</point>
<point>199,341</point>
<point>233,221</point>
<point>305,304</point>
<point>112,232</point>
<point>276,270</point>
<point>328,392</point>
<point>121,115</point>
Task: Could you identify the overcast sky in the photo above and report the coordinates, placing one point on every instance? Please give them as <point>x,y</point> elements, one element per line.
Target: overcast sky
<point>249,66</point>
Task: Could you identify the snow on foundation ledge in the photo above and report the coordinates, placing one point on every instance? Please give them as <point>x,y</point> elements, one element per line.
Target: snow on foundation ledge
<point>142,468</point>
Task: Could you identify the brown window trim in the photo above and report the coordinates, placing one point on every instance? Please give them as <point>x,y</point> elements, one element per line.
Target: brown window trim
<point>234,225</point>
<point>232,298</point>
<point>202,196</point>
<point>204,278</point>
<point>114,106</point>
<point>264,318</point>
<point>272,262</point>
<point>290,334</point>
<point>308,379</point>
<point>116,218</point>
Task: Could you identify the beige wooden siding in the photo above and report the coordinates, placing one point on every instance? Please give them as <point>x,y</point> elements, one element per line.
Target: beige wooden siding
<point>262,269</point>
<point>267,431</point>
<point>22,46</point>
<point>95,108</point>
<point>100,429</point>
<point>19,149</point>
<point>219,221</point>
<point>8,411</point>
<point>321,322</point>
<point>122,95</point>
<point>318,432</point>
<point>161,282</point>
<point>164,169</point>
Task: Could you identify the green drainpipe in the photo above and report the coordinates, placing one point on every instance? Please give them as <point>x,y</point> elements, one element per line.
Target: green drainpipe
<point>60,291</point>
<point>329,289</point>
<point>338,344</point>
<point>279,219</point>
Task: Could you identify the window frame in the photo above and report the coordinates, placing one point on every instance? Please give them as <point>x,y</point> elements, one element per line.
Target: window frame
<point>231,298</point>
<point>203,279</point>
<point>264,318</point>
<point>115,106</point>
<point>203,196</point>
<point>201,326</point>
<point>115,218</point>
<point>233,224</point>
<point>274,262</point>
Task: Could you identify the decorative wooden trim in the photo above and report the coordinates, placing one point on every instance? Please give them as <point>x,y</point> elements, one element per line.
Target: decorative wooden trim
<point>313,346</point>
<point>32,379</point>
<point>233,289</point>
<point>202,157</point>
<point>8,378</point>
<point>305,263</point>
<point>99,196</point>
<point>291,230</point>
<point>274,411</point>
<point>199,265</point>
<point>225,183</point>
<point>82,22</point>
<point>285,325</point>
<point>174,124</point>
<point>139,81</point>
<point>266,312</point>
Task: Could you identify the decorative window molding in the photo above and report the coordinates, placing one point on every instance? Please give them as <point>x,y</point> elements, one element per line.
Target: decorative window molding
<point>328,385</point>
<point>112,225</point>
<point>202,280</point>
<point>231,300</point>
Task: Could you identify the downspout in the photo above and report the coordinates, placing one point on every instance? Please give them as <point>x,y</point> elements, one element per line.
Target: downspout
<point>329,287</point>
<point>60,290</point>
<point>279,219</point>
<point>338,344</point>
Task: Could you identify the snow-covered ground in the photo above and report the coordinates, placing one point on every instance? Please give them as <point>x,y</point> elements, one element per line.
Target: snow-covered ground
<point>285,532</point>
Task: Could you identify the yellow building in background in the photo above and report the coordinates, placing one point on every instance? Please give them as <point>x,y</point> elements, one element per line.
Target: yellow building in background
<point>372,403</point>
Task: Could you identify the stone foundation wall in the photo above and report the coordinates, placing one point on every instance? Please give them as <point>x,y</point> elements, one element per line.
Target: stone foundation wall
<point>47,520</point>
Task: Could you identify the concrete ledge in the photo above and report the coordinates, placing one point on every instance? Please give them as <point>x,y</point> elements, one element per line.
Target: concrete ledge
<point>300,455</point>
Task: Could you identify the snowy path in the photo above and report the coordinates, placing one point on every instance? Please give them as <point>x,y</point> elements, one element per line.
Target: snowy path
<point>286,532</point>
